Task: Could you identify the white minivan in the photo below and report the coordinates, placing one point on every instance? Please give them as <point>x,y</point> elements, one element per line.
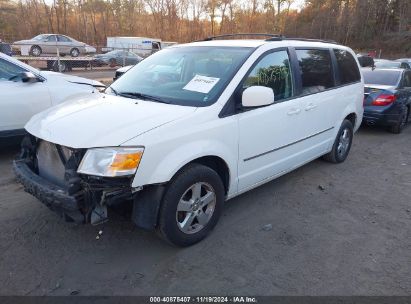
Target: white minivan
<point>191,127</point>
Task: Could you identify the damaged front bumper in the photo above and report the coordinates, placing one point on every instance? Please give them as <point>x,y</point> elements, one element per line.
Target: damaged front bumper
<point>75,197</point>
<point>53,196</point>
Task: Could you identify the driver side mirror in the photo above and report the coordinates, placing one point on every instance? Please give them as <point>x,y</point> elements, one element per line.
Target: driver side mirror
<point>28,77</point>
<point>257,96</point>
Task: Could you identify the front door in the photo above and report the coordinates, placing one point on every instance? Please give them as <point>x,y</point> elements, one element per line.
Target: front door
<point>269,136</point>
<point>19,101</point>
<point>49,45</point>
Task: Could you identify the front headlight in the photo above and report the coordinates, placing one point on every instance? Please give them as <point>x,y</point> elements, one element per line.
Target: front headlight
<point>111,161</point>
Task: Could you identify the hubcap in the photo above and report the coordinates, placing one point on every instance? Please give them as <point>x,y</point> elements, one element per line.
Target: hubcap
<point>344,142</point>
<point>195,208</point>
<point>36,51</point>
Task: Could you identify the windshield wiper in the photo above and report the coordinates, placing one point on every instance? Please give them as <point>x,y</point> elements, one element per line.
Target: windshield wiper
<point>114,91</point>
<point>142,96</point>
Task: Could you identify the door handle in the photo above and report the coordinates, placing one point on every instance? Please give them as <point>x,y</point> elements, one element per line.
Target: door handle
<point>293,111</point>
<point>310,106</point>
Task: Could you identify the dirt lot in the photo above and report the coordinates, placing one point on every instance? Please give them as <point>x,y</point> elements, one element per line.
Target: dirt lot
<point>351,238</point>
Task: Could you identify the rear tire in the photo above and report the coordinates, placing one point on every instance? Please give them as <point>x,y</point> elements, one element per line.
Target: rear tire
<point>402,122</point>
<point>191,205</point>
<point>35,51</point>
<point>342,143</point>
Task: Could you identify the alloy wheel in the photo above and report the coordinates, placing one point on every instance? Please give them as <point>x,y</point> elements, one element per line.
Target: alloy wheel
<point>36,51</point>
<point>195,208</point>
<point>344,142</point>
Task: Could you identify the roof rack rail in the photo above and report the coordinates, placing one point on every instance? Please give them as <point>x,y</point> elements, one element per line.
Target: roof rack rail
<point>309,40</point>
<point>272,36</point>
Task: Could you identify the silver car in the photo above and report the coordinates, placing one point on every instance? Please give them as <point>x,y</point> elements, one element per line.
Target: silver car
<point>53,43</point>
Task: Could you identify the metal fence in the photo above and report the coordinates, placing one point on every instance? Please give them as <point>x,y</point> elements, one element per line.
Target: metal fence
<point>69,58</point>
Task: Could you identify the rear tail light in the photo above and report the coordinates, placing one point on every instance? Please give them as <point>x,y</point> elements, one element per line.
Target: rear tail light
<point>384,100</point>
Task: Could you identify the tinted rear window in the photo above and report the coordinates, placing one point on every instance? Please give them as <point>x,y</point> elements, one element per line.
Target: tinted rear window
<point>316,71</point>
<point>381,77</point>
<point>347,67</point>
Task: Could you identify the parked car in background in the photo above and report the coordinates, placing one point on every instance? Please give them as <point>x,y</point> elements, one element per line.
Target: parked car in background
<point>5,48</point>
<point>192,126</point>
<point>406,60</point>
<point>390,64</point>
<point>118,58</point>
<point>50,44</point>
<point>142,46</point>
<point>365,60</point>
<point>25,91</point>
<point>121,71</point>
<point>387,99</point>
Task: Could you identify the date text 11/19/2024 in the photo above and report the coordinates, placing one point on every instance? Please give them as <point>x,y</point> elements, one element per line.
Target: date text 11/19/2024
<point>203,299</point>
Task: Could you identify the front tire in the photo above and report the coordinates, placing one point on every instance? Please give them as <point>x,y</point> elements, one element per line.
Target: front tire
<point>35,51</point>
<point>74,52</point>
<point>342,143</point>
<point>191,206</point>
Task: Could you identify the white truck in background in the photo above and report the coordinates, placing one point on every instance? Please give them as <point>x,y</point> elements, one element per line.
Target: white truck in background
<point>142,46</point>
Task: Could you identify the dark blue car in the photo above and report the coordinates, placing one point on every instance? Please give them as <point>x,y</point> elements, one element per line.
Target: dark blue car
<point>5,48</point>
<point>387,99</point>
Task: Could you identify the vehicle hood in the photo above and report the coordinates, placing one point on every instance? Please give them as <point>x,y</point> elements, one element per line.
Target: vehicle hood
<point>101,121</point>
<point>74,79</point>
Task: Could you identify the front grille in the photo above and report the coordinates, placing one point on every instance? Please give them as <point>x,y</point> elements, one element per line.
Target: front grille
<point>51,163</point>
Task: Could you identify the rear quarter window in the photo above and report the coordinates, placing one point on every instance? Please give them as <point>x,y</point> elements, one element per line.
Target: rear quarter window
<point>347,67</point>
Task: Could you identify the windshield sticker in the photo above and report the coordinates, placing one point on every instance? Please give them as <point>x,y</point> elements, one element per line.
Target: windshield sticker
<point>202,84</point>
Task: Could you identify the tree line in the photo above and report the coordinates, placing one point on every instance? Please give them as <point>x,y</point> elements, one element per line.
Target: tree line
<point>362,24</point>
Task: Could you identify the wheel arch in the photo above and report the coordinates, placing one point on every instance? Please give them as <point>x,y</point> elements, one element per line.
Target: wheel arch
<point>146,204</point>
<point>214,162</point>
<point>352,117</point>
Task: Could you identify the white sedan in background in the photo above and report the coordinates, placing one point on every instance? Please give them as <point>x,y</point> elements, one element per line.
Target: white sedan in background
<point>25,91</point>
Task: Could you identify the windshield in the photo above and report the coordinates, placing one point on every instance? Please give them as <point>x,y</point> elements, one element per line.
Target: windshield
<point>190,76</point>
<point>381,77</point>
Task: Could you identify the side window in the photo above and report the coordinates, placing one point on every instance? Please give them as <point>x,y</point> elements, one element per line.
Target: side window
<point>404,65</point>
<point>9,70</point>
<point>407,80</point>
<point>273,71</point>
<point>63,39</point>
<point>316,71</point>
<point>347,67</point>
<point>51,38</point>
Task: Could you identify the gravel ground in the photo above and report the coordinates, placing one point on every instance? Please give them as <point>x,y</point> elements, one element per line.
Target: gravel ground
<point>335,230</point>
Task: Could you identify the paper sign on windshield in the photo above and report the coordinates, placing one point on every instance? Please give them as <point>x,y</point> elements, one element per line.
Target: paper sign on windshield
<point>202,84</point>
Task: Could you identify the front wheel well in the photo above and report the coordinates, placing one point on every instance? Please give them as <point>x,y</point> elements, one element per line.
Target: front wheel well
<point>218,165</point>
